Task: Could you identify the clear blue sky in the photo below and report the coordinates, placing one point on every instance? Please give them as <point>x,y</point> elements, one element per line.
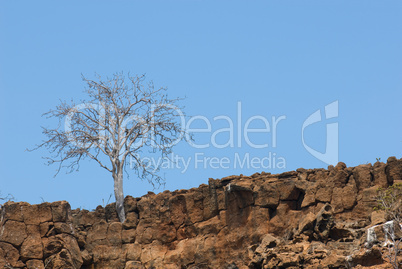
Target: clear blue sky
<point>278,58</point>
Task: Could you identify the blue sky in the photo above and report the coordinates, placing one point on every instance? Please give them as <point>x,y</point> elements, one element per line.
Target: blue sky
<point>277,58</point>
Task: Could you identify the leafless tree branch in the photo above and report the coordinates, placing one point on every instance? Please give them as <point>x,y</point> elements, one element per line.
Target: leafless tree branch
<point>123,115</point>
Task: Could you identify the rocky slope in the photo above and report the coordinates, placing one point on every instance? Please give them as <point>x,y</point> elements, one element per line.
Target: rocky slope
<point>313,218</point>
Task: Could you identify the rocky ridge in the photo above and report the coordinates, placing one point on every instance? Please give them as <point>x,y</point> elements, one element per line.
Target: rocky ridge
<point>308,218</point>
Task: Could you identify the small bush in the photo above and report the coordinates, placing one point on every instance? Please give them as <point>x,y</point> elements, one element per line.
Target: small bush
<point>390,200</point>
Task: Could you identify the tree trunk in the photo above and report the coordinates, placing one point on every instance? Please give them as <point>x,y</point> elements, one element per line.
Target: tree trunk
<point>118,193</point>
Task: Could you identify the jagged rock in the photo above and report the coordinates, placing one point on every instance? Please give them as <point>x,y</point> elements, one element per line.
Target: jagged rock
<point>283,219</point>
<point>128,236</point>
<point>307,224</point>
<point>309,197</point>
<point>349,195</point>
<point>133,251</point>
<point>12,211</point>
<point>393,170</point>
<point>86,257</point>
<point>51,246</point>
<point>339,175</point>
<point>81,237</point>
<point>311,218</point>
<point>70,243</point>
<point>61,211</point>
<point>114,233</point>
<point>363,177</point>
<point>134,265</point>
<point>333,261</point>
<point>44,228</point>
<point>35,264</point>
<point>324,223</point>
<point>153,253</point>
<point>61,260</point>
<point>61,227</point>
<point>379,174</point>
<point>267,195</point>
<point>130,204</point>
<point>104,253</point>
<point>341,233</point>
<point>131,220</point>
<point>365,202</point>
<point>32,248</point>
<point>268,242</point>
<point>13,232</point>
<point>324,191</point>
<point>317,226</point>
<point>365,257</point>
<point>36,214</point>
<point>9,255</point>
<point>111,213</point>
<point>97,234</point>
<point>378,217</point>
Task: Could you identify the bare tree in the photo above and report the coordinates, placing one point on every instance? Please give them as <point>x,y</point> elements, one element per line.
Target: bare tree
<point>390,201</point>
<point>393,244</point>
<point>123,118</point>
<point>9,197</point>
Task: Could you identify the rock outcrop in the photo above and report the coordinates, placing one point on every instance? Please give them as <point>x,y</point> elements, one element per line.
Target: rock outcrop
<point>309,218</point>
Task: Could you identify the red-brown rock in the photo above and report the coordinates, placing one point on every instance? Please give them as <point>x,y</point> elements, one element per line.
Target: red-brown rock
<point>32,248</point>
<point>13,232</point>
<point>311,218</point>
<point>9,255</point>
